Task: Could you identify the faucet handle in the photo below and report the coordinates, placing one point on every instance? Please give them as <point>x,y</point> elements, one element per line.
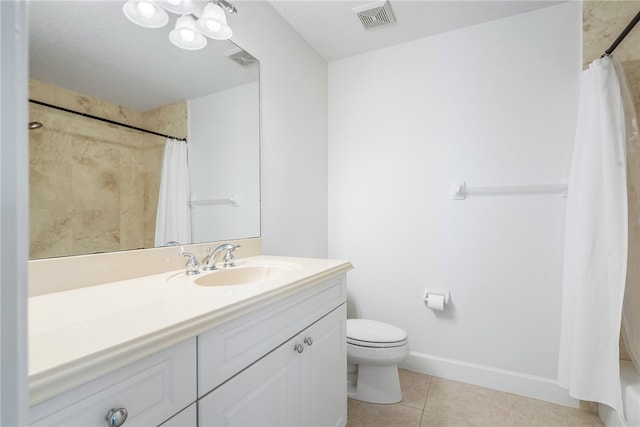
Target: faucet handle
<point>208,261</point>
<point>192,265</point>
<point>229,260</point>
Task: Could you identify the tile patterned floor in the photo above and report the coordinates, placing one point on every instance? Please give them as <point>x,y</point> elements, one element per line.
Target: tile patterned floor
<point>436,402</point>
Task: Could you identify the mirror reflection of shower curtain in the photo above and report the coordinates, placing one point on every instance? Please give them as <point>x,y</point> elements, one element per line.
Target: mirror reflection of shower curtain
<point>173,217</point>
<point>596,242</point>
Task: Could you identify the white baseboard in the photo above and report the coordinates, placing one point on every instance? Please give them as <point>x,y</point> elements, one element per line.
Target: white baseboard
<point>497,379</point>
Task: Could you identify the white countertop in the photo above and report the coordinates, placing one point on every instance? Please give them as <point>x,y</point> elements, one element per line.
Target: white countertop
<point>78,335</point>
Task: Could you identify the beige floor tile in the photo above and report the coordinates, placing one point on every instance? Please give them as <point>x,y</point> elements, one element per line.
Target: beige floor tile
<point>433,418</point>
<point>527,412</point>
<point>361,414</point>
<point>591,407</point>
<point>415,387</point>
<point>451,403</point>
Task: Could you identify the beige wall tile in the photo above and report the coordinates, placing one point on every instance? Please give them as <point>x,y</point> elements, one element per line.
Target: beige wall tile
<point>131,229</point>
<point>75,101</point>
<point>602,22</point>
<point>49,184</point>
<point>168,120</point>
<point>96,231</point>
<point>96,168</point>
<point>94,188</point>
<point>50,233</point>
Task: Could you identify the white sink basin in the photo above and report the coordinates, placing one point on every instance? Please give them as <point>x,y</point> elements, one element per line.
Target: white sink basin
<point>242,275</point>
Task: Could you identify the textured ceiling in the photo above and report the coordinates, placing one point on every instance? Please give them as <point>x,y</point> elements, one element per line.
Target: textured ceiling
<point>334,31</point>
<point>99,59</point>
<point>91,48</point>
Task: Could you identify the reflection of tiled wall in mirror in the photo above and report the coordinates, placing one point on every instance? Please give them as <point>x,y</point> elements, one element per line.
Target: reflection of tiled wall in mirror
<point>602,21</point>
<point>94,185</point>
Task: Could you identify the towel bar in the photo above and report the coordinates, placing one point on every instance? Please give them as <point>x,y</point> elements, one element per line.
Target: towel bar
<point>233,201</point>
<point>460,191</point>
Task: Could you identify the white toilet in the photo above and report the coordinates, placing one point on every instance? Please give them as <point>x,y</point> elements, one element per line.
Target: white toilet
<point>374,350</point>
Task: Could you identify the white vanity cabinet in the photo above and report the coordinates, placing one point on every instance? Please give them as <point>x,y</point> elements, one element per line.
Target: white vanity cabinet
<point>283,365</point>
<point>151,390</point>
<point>274,354</point>
<point>186,418</point>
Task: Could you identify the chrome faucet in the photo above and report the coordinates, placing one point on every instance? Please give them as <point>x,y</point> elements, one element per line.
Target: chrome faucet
<point>192,265</point>
<point>209,261</point>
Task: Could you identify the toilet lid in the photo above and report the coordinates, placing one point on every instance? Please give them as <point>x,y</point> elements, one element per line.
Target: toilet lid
<point>371,332</point>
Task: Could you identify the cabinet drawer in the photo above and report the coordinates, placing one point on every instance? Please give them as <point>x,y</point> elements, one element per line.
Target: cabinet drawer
<point>151,390</point>
<point>229,348</point>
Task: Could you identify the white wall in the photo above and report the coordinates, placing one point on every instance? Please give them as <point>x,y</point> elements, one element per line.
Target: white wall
<point>293,92</point>
<point>14,212</point>
<point>493,104</point>
<point>224,162</point>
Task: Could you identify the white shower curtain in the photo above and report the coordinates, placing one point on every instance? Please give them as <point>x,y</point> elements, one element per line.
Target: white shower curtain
<point>595,255</point>
<point>631,305</point>
<point>173,218</point>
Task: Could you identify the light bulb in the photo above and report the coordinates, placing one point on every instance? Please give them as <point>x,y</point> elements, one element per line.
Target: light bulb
<point>180,7</point>
<point>145,13</point>
<point>146,9</point>
<point>213,25</point>
<point>187,35</point>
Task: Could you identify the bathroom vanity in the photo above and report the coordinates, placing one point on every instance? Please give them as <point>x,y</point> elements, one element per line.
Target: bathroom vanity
<point>177,350</point>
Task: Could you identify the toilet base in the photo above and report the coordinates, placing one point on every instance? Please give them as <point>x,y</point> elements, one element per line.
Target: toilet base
<point>375,384</point>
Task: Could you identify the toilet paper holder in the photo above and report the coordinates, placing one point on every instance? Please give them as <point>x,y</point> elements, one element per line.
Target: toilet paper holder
<point>439,292</point>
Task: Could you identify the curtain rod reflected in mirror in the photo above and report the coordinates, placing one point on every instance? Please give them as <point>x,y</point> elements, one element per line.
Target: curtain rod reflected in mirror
<point>36,125</point>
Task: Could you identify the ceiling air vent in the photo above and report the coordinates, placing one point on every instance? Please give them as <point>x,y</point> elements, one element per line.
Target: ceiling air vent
<point>242,57</point>
<point>374,14</point>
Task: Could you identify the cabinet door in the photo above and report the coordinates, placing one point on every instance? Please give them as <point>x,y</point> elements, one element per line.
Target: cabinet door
<point>289,387</point>
<point>324,371</point>
<point>186,418</point>
<point>265,394</point>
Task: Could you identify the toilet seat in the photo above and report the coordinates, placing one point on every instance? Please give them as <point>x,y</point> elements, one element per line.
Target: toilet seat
<point>371,333</point>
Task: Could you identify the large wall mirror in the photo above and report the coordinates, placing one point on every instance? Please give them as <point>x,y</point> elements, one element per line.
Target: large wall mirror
<point>94,184</point>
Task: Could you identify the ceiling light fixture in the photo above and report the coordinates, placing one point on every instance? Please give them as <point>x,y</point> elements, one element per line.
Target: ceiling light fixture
<point>213,23</point>
<point>198,18</point>
<point>145,13</point>
<point>186,35</point>
<point>180,7</point>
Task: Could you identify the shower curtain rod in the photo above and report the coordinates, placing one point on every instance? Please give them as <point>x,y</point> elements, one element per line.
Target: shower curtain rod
<point>113,122</point>
<point>622,35</point>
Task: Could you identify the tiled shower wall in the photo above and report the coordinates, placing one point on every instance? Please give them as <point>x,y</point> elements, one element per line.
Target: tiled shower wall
<point>93,185</point>
<point>602,21</point>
